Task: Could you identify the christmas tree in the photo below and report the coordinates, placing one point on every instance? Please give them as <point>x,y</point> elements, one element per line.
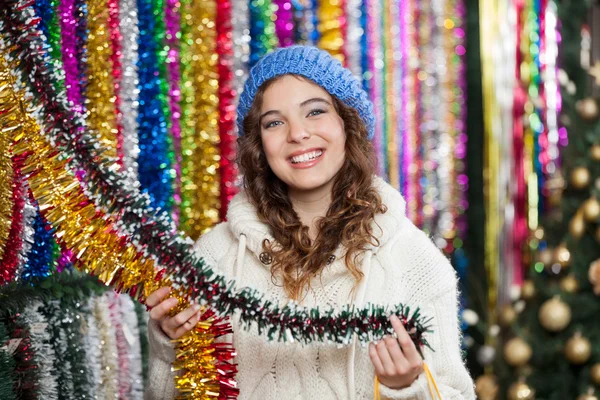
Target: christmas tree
<point>550,338</point>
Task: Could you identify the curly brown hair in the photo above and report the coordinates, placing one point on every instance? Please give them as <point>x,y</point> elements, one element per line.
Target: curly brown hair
<point>296,258</point>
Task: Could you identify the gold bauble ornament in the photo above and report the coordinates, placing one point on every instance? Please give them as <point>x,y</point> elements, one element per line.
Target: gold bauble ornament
<point>595,152</point>
<point>507,316</point>
<point>562,255</point>
<point>591,209</point>
<point>594,275</point>
<point>578,349</point>
<point>517,352</point>
<point>520,391</point>
<point>569,284</point>
<point>528,290</point>
<point>587,109</point>
<point>577,226</point>
<point>486,387</point>
<point>580,177</point>
<point>595,373</point>
<point>546,256</point>
<point>587,396</point>
<point>555,315</point>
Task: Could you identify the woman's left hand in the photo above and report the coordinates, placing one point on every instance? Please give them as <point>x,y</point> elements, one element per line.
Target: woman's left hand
<point>397,362</point>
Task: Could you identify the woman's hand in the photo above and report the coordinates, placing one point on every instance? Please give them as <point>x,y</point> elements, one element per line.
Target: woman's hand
<point>397,362</point>
<point>174,327</point>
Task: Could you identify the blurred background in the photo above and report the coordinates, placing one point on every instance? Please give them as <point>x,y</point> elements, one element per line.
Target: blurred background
<point>487,121</point>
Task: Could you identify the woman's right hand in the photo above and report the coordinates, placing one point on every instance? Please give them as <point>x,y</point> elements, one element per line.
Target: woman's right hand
<point>176,326</point>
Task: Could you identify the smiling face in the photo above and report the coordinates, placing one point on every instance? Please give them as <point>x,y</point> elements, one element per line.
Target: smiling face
<point>302,134</point>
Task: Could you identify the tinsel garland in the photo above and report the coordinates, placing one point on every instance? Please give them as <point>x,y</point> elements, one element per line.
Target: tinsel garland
<point>93,346</point>
<point>27,233</point>
<point>284,22</point>
<point>227,113</point>
<point>173,23</point>
<point>189,273</point>
<point>40,259</point>
<point>200,183</point>
<point>154,169</point>
<point>109,352</point>
<point>6,186</point>
<point>116,55</point>
<point>10,261</point>
<point>142,318</point>
<point>263,38</point>
<point>332,28</point>
<point>26,377</point>
<point>43,352</point>
<point>129,82</point>
<point>7,367</point>
<point>68,25</point>
<point>116,320</point>
<point>102,113</point>
<point>131,331</point>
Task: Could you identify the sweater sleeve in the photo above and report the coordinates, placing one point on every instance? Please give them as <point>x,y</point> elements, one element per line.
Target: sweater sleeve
<point>445,361</point>
<point>161,380</point>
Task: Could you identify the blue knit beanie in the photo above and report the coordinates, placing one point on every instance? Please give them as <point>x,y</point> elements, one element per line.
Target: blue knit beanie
<point>318,66</point>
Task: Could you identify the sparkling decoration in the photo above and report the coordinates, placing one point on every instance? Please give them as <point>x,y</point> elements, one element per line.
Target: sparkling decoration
<point>517,352</point>
<point>40,259</point>
<point>154,168</point>
<point>569,284</point>
<point>128,25</point>
<point>578,349</point>
<point>263,37</point>
<point>132,336</point>
<point>25,369</point>
<point>173,23</point>
<point>588,109</point>
<point>528,290</point>
<point>93,348</point>
<point>520,391</point>
<point>6,181</point>
<point>562,255</point>
<point>354,33</point>
<point>43,353</point>
<point>580,178</point>
<point>227,113</point>
<point>284,22</point>
<point>200,184</point>
<point>591,209</point>
<point>507,315</point>
<point>594,276</point>
<point>555,315</point>
<point>332,28</point>
<point>27,235</point>
<point>486,387</point>
<point>595,373</point>
<point>577,225</point>
<point>109,351</point>
<point>100,81</point>
<point>595,152</point>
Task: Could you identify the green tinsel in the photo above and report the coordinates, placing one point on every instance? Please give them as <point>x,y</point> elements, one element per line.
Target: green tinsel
<point>7,368</point>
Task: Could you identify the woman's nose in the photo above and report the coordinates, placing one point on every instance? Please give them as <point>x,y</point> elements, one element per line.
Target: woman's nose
<point>297,132</point>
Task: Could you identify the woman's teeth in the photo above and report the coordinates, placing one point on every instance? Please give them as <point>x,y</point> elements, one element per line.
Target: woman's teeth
<point>306,157</point>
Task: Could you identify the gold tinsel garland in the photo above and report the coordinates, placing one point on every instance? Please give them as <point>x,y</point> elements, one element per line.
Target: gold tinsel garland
<point>6,170</point>
<point>200,183</point>
<point>97,247</point>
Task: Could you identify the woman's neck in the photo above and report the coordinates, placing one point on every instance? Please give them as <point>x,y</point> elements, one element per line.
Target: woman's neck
<point>311,206</point>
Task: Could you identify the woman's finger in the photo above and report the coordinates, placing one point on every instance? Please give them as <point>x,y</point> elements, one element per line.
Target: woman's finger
<point>386,359</point>
<point>375,360</point>
<point>398,358</point>
<point>162,309</point>
<point>178,320</point>
<point>157,296</point>
<point>408,346</point>
<point>187,326</point>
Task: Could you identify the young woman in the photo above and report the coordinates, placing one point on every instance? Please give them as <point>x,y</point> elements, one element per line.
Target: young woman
<point>314,224</point>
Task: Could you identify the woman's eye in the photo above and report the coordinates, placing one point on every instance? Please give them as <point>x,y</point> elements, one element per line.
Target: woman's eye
<point>272,124</point>
<point>316,112</point>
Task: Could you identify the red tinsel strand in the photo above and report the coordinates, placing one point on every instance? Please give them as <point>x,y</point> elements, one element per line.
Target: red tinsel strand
<point>227,113</point>
<point>10,261</point>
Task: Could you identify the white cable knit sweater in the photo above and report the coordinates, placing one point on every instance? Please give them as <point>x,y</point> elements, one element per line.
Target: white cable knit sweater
<point>406,268</point>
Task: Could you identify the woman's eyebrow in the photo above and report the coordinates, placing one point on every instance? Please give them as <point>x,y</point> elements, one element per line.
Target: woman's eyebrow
<point>268,113</point>
<point>314,100</point>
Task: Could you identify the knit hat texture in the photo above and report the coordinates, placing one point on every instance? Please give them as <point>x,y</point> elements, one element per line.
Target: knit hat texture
<point>318,66</point>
